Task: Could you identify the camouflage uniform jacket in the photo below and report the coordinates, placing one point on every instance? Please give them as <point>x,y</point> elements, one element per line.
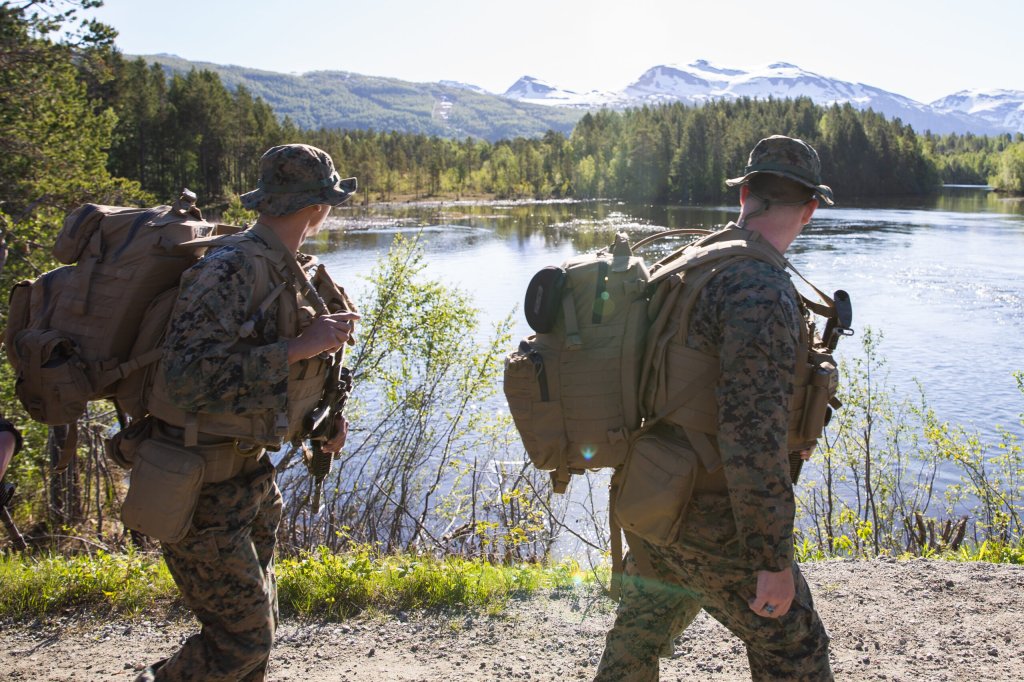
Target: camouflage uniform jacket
<point>209,368</point>
<point>748,315</point>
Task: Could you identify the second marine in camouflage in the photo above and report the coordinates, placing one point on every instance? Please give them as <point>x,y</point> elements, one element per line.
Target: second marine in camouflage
<point>734,554</point>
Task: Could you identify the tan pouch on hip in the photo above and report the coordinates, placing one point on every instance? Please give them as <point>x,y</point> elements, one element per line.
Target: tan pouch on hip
<point>163,491</point>
<point>655,488</point>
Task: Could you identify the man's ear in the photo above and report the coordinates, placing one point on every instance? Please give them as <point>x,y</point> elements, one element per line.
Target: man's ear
<point>809,208</point>
<point>308,215</point>
<point>744,193</point>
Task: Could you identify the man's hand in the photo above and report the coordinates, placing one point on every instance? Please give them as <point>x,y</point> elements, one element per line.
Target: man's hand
<point>335,444</point>
<point>775,592</point>
<point>326,333</point>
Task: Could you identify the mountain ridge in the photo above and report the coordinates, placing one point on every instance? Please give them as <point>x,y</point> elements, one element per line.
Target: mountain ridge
<point>979,111</point>
<point>349,100</point>
<point>532,106</point>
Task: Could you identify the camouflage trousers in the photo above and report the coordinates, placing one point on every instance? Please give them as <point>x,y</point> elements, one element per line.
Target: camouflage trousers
<point>664,589</point>
<point>224,568</point>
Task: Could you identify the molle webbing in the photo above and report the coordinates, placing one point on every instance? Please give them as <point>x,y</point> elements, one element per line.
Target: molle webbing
<point>262,428</point>
<point>680,383</point>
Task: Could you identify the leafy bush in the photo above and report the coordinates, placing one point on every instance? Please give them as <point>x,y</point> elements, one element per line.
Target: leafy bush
<point>874,487</point>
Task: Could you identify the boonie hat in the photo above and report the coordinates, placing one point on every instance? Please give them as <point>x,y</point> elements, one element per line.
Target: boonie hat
<point>294,176</point>
<point>789,157</point>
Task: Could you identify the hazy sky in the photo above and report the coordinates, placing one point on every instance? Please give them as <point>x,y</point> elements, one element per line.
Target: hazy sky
<point>918,48</point>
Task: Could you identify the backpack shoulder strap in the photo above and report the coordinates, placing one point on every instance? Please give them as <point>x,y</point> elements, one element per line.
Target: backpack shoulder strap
<point>258,306</point>
<point>694,265</point>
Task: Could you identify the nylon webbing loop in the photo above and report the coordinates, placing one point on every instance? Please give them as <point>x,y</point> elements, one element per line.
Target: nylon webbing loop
<point>573,339</point>
<point>68,449</point>
<point>190,437</point>
<point>248,328</point>
<point>560,479</point>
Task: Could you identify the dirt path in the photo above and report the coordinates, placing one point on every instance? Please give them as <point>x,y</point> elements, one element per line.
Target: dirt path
<point>917,620</point>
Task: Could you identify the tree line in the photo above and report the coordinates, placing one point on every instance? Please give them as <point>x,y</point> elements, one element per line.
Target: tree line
<point>979,159</point>
<point>191,130</point>
<point>175,130</point>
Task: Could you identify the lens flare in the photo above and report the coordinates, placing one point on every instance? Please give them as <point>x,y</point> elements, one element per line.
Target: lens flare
<point>588,453</point>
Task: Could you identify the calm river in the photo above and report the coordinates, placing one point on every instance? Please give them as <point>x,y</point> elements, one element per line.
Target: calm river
<point>938,277</point>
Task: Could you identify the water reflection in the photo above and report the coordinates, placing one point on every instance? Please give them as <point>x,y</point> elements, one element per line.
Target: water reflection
<point>939,276</point>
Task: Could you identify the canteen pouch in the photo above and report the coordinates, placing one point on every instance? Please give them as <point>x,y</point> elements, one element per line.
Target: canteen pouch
<point>53,383</point>
<point>163,491</point>
<point>544,299</point>
<point>655,488</point>
<point>123,446</point>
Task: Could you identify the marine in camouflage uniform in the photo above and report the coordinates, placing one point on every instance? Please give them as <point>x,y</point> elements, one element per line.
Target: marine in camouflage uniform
<point>734,554</point>
<point>224,566</point>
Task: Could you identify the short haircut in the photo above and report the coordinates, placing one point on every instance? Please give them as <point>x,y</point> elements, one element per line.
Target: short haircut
<point>777,188</point>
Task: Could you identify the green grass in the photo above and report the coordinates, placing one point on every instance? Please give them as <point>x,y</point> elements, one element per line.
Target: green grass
<point>991,552</point>
<point>103,583</point>
<point>318,584</point>
<point>335,586</point>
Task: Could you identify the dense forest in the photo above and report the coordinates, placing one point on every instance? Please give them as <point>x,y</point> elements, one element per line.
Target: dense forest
<point>977,159</point>
<point>189,129</point>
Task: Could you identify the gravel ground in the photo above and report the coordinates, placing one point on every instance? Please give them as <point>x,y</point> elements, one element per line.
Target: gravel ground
<point>913,620</point>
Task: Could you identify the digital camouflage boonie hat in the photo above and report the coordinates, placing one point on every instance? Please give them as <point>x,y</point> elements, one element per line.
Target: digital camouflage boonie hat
<point>789,157</point>
<point>294,176</point>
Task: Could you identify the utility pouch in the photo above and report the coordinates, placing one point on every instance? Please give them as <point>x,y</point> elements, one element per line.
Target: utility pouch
<point>123,446</point>
<point>18,316</point>
<point>531,389</point>
<point>821,390</point>
<point>164,490</point>
<point>53,383</point>
<point>655,488</point>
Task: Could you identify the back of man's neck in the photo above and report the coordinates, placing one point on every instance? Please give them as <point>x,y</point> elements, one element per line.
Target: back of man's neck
<point>289,230</point>
<point>778,233</point>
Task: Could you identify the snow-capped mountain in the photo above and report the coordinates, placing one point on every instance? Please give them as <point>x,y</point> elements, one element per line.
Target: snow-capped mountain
<point>702,81</point>
<point>464,86</point>
<point>536,91</point>
<point>1002,108</point>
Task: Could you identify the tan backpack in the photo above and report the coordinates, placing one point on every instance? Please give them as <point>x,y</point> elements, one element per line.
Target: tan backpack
<point>583,390</point>
<point>71,331</point>
<point>573,387</point>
